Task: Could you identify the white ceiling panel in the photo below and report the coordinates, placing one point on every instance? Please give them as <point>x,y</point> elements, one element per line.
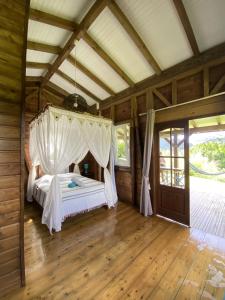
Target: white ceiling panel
<point>112,37</point>
<point>47,34</point>
<point>158,24</point>
<point>67,9</point>
<point>35,72</point>
<point>92,61</point>
<point>70,88</point>
<point>207,18</point>
<point>83,80</point>
<point>38,56</point>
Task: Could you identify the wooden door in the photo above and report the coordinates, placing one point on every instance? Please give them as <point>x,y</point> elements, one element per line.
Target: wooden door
<point>172,155</point>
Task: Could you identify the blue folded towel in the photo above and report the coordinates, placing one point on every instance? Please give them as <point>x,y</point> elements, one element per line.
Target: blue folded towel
<point>72,184</point>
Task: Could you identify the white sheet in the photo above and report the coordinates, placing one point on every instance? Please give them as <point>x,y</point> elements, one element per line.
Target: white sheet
<point>74,200</point>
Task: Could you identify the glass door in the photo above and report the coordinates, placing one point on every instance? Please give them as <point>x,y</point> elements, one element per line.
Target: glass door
<point>172,165</point>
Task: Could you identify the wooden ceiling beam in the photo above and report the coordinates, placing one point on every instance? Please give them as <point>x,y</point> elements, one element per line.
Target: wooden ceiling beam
<point>73,82</point>
<point>37,65</point>
<point>186,25</point>
<point>49,19</point>
<point>123,20</point>
<point>205,129</point>
<point>88,39</point>
<point>43,47</point>
<point>32,84</point>
<point>33,78</point>
<point>92,14</point>
<point>88,73</point>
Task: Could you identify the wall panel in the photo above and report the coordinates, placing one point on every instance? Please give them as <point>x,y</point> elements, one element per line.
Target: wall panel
<point>183,88</point>
<point>13,19</point>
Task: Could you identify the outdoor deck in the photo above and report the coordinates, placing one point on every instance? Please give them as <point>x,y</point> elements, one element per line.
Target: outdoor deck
<point>207,199</point>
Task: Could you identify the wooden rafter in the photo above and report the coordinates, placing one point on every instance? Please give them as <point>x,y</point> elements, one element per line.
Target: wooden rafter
<point>218,85</point>
<point>73,82</point>
<point>44,17</point>
<point>161,97</point>
<point>51,93</point>
<point>65,24</point>
<point>37,65</point>
<point>117,12</point>
<point>210,57</point>
<point>56,50</point>
<point>88,73</point>
<point>107,59</point>
<point>187,25</point>
<point>92,14</point>
<point>43,47</point>
<point>50,86</point>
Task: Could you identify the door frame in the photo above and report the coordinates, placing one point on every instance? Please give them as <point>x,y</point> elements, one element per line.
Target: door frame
<point>160,126</point>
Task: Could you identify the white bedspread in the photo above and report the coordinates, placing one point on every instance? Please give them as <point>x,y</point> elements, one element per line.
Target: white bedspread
<point>88,195</point>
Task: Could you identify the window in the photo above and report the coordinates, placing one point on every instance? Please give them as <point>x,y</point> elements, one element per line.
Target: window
<point>122,139</point>
<point>171,157</point>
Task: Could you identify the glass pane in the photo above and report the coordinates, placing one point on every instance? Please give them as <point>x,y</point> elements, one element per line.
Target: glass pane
<point>122,139</point>
<point>178,178</point>
<point>165,171</point>
<point>177,136</point>
<point>164,142</point>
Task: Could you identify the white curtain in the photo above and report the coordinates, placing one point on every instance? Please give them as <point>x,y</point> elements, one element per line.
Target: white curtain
<point>57,150</point>
<point>35,162</point>
<point>61,138</point>
<point>99,140</point>
<point>76,168</point>
<point>145,201</point>
<point>112,164</point>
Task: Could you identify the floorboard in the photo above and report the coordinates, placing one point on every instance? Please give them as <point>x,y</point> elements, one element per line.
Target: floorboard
<point>119,254</point>
<point>207,199</point>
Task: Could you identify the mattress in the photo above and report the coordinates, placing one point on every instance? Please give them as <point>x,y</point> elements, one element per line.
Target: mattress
<point>88,195</point>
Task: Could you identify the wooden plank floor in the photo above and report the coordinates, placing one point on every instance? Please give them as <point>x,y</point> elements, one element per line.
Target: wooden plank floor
<point>207,199</point>
<point>119,254</point>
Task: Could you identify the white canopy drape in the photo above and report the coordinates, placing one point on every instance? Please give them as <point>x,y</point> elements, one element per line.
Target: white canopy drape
<point>61,138</point>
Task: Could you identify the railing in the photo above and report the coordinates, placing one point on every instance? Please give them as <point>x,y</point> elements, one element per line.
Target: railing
<point>172,177</point>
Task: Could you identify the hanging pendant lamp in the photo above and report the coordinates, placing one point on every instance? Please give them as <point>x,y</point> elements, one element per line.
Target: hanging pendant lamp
<point>75,102</point>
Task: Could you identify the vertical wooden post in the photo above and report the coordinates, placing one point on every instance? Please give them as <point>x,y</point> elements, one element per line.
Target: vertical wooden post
<point>132,144</point>
<point>206,81</point>
<point>174,92</point>
<point>112,112</point>
<point>149,99</point>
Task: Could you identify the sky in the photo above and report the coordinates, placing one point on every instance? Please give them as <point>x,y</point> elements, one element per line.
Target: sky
<point>204,137</point>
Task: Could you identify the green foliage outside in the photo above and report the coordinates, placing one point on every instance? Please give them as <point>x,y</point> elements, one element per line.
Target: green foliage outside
<point>121,150</point>
<point>212,154</point>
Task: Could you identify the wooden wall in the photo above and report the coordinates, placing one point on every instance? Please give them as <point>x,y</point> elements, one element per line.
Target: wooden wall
<point>202,81</point>
<point>13,31</point>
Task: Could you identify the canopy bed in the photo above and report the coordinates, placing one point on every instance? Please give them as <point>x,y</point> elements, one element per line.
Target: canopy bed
<point>58,138</point>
